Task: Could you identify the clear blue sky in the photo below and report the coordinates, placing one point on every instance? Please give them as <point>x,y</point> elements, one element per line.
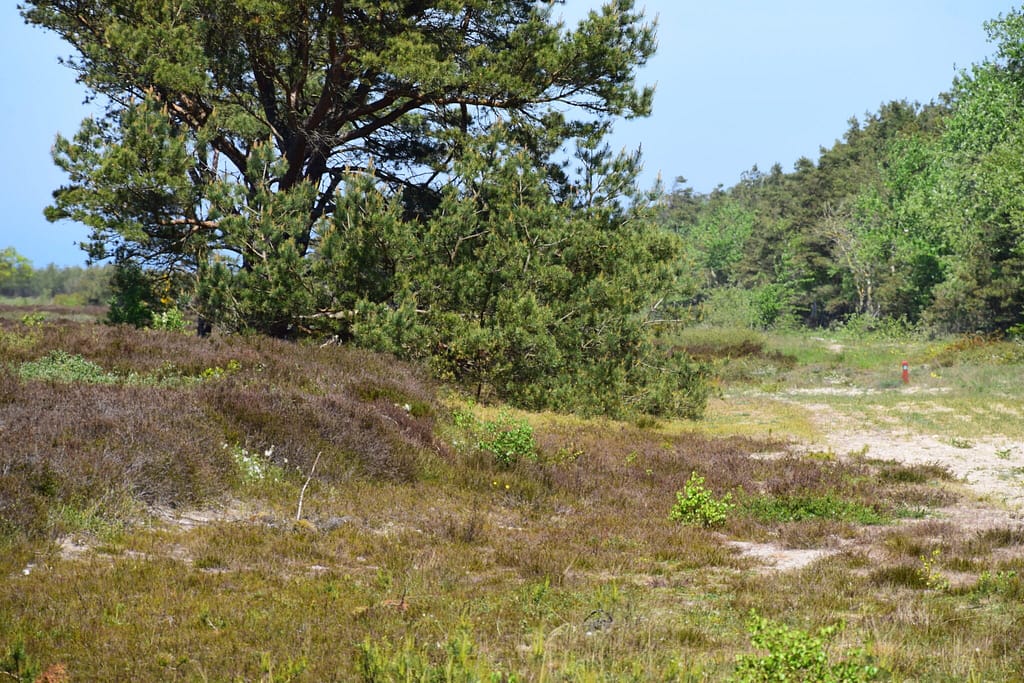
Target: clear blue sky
<point>739,82</point>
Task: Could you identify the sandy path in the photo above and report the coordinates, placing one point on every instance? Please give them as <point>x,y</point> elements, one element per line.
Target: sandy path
<point>991,468</point>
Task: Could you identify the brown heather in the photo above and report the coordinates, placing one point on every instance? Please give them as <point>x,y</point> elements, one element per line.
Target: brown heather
<point>133,549</point>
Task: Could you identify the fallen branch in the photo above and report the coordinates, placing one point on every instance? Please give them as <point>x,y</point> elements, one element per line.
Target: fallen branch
<point>302,493</point>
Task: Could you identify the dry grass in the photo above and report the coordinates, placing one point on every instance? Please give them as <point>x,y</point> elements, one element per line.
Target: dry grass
<point>417,549</point>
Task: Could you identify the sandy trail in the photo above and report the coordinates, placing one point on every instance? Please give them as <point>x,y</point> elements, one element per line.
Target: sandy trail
<point>991,468</point>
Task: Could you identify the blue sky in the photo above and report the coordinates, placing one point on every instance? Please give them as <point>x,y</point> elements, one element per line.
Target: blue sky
<point>739,82</point>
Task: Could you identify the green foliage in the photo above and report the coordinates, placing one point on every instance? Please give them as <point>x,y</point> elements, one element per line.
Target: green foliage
<point>380,662</point>
<point>915,215</point>
<point>506,282</point>
<point>798,508</point>
<point>413,198</point>
<point>284,672</point>
<point>715,238</point>
<point>798,656</point>
<point>696,505</point>
<point>15,271</point>
<point>18,665</point>
<point>170,320</point>
<point>509,440</point>
<point>135,298</point>
<point>61,366</point>
<point>932,578</point>
<point>1005,582</point>
<point>864,326</point>
<point>254,467</point>
<point>62,286</point>
<point>33,319</point>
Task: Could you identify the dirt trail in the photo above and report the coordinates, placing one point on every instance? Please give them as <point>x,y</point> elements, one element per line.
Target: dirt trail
<point>991,468</point>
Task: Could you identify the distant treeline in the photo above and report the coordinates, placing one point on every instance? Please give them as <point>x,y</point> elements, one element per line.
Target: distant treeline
<point>61,285</point>
<point>916,215</point>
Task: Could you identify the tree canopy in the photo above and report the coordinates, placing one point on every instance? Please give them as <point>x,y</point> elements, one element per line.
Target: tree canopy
<point>915,215</point>
<point>427,177</point>
<point>214,107</point>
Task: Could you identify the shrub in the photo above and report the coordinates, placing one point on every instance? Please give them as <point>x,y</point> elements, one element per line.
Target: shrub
<point>17,665</point>
<point>134,296</point>
<point>800,508</point>
<point>170,320</point>
<point>459,662</point>
<point>763,307</point>
<point>61,366</point>
<point>253,467</point>
<point>797,656</point>
<point>1008,583</point>
<point>696,505</point>
<point>508,440</point>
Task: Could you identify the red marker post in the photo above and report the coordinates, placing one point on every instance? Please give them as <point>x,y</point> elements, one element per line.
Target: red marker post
<point>906,372</point>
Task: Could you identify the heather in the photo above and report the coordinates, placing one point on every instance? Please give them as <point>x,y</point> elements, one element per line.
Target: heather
<point>244,508</point>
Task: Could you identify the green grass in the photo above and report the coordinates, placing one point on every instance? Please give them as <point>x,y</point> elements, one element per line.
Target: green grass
<point>800,508</point>
<point>418,553</point>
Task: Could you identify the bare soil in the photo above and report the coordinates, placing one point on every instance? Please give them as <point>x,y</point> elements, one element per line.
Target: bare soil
<point>989,470</point>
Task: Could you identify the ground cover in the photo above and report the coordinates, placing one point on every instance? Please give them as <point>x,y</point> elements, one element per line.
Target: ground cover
<point>243,509</point>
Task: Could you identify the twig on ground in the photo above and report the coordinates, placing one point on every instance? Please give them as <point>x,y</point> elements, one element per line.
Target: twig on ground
<point>302,493</point>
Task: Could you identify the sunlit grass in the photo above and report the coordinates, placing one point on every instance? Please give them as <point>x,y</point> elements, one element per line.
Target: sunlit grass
<point>415,548</point>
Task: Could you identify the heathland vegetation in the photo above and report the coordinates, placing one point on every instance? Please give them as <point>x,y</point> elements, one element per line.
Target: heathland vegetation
<point>246,508</point>
<point>467,405</point>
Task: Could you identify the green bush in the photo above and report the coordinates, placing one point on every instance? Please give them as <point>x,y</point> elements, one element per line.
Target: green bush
<point>61,366</point>
<point>134,297</point>
<point>170,320</point>
<point>797,656</point>
<point>17,665</point>
<point>763,307</point>
<point>254,467</point>
<point>509,440</point>
<point>800,508</point>
<point>696,505</point>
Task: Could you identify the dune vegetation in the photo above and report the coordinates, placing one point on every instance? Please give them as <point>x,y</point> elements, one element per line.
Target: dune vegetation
<point>243,508</point>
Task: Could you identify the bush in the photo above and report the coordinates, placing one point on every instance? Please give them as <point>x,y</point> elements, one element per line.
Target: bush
<point>797,656</point>
<point>60,366</point>
<point>134,297</point>
<point>695,505</point>
<point>764,307</point>
<point>507,439</point>
<point>17,665</point>
<point>459,662</point>
<point>864,326</point>
<point>170,320</point>
<point>800,508</point>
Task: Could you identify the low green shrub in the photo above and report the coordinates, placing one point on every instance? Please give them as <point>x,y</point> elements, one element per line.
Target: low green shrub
<point>801,508</point>
<point>18,665</point>
<point>509,440</point>
<point>61,366</point>
<point>696,505</point>
<point>1008,583</point>
<point>457,663</point>
<point>254,467</point>
<point>170,320</point>
<point>797,656</point>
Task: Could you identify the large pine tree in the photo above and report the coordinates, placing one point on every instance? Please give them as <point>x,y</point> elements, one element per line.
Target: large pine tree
<point>426,176</point>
